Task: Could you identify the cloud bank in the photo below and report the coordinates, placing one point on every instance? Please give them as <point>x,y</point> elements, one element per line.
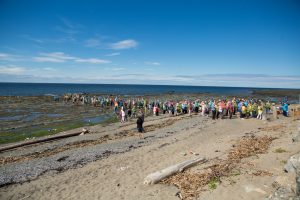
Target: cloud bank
<point>21,74</point>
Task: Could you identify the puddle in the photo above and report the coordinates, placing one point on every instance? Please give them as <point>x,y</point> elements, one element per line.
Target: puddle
<point>11,118</point>
<point>32,116</point>
<point>54,115</point>
<point>96,119</point>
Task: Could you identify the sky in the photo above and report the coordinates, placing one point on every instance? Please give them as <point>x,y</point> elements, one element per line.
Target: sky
<point>180,42</point>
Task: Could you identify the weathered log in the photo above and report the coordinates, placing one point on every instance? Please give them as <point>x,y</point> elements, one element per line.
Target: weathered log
<point>55,137</point>
<point>162,174</point>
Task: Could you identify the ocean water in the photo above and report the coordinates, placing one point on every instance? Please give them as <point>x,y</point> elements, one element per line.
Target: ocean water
<point>34,89</point>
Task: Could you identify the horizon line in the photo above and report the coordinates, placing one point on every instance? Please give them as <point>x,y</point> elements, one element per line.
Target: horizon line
<point>150,85</point>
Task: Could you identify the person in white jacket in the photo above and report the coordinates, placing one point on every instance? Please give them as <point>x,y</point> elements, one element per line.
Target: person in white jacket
<point>122,115</point>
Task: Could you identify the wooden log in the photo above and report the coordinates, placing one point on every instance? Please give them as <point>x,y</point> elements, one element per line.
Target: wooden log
<point>162,174</point>
<point>55,137</point>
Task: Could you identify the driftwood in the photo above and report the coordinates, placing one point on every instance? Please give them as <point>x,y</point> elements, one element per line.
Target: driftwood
<point>162,174</point>
<point>55,137</point>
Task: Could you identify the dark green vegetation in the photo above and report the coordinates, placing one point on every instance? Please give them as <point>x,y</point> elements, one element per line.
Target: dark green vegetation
<point>280,150</point>
<point>213,183</point>
<point>8,137</point>
<point>28,117</point>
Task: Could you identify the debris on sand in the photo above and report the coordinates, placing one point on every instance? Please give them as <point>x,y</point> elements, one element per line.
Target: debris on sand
<point>272,128</point>
<point>191,183</point>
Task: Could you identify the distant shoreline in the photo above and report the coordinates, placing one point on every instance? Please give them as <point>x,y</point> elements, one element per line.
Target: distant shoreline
<point>128,84</point>
<point>40,89</point>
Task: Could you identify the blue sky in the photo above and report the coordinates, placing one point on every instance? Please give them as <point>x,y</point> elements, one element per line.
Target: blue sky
<point>219,43</point>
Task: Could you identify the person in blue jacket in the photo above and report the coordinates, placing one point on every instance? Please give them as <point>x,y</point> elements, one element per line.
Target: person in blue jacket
<point>285,109</point>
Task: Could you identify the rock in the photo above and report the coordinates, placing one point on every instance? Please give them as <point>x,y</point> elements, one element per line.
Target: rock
<point>298,184</point>
<point>282,194</point>
<point>296,137</point>
<point>293,164</point>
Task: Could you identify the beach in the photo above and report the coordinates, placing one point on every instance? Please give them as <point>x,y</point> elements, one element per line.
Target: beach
<point>111,161</point>
<point>137,100</point>
<point>149,100</point>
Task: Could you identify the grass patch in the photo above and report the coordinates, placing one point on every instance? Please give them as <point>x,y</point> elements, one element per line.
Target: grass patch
<point>49,129</point>
<point>212,185</point>
<point>110,120</point>
<point>235,172</point>
<point>280,150</point>
<point>9,137</point>
<point>283,162</point>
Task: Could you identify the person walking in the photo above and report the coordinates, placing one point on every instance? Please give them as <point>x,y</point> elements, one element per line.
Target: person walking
<point>139,124</point>
<point>122,115</point>
<point>213,110</point>
<point>230,109</point>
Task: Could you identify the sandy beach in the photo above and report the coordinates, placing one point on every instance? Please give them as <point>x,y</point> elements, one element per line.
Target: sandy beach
<point>149,100</point>
<point>111,161</point>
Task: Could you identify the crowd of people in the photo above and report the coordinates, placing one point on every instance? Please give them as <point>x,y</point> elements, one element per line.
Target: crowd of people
<point>127,108</point>
<point>216,109</point>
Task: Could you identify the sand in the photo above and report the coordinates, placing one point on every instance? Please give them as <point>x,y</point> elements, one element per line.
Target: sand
<point>121,175</point>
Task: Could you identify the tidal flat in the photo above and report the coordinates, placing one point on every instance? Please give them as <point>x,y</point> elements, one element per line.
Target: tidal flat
<point>27,117</point>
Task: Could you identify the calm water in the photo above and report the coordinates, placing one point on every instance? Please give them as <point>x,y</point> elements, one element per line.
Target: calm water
<point>33,89</point>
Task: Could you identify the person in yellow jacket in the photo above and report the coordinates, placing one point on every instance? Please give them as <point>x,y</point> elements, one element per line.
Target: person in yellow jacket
<point>249,110</point>
<point>254,110</point>
<point>260,112</point>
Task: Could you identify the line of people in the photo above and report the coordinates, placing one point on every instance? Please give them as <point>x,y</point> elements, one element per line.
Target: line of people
<point>244,108</point>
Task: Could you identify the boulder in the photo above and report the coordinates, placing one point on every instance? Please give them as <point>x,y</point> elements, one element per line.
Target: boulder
<point>293,164</point>
<point>282,193</point>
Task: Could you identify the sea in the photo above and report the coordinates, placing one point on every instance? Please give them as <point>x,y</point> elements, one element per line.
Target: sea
<point>36,89</point>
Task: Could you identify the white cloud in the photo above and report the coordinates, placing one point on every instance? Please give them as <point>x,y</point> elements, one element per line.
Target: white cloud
<point>60,57</point>
<point>92,42</point>
<point>12,70</point>
<point>92,61</point>
<point>27,71</point>
<point>152,63</point>
<point>13,73</point>
<point>124,44</point>
<point>9,57</point>
<point>48,59</point>
<point>56,57</point>
<point>113,54</point>
<point>4,56</point>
